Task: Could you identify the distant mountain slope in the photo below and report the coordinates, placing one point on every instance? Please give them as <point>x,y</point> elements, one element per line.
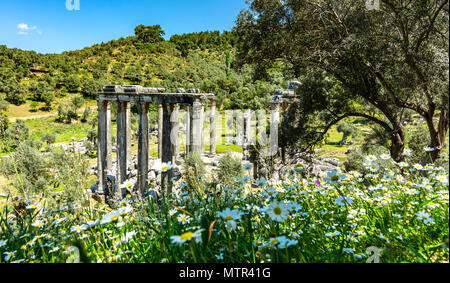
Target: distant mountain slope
<point>202,60</point>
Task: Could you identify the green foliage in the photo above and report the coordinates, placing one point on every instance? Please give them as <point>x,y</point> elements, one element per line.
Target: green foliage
<point>149,34</point>
<point>77,102</point>
<point>48,97</point>
<point>72,83</point>
<point>91,88</point>
<point>34,106</point>
<point>41,88</point>
<point>73,173</point>
<point>194,170</point>
<point>48,138</point>
<point>17,94</point>
<point>4,121</point>
<point>194,162</point>
<point>419,139</point>
<point>229,168</point>
<point>236,224</point>
<point>62,173</point>
<point>28,169</point>
<point>133,74</point>
<point>17,133</point>
<point>347,130</point>
<point>203,40</point>
<point>367,73</point>
<point>86,114</point>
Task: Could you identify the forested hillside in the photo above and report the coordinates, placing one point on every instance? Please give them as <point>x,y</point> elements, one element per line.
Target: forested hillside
<point>203,60</point>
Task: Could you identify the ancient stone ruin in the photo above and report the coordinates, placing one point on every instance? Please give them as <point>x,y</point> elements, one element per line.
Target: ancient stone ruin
<point>168,135</point>
<point>169,105</point>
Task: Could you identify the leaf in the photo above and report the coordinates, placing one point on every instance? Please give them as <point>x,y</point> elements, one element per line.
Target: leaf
<point>180,209</point>
<point>427,202</point>
<point>210,230</point>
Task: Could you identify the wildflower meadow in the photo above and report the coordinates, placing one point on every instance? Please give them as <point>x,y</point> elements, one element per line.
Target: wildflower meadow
<point>393,214</point>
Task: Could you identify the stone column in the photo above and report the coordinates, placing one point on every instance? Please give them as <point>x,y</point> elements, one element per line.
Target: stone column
<point>196,127</point>
<point>128,133</point>
<point>104,147</point>
<point>123,140</point>
<point>212,137</point>
<point>274,125</point>
<point>167,147</point>
<point>143,148</point>
<point>175,125</point>
<point>188,129</point>
<point>246,134</point>
<point>160,130</point>
<point>202,121</point>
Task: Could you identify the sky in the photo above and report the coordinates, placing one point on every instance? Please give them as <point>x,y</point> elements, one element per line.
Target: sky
<point>55,26</point>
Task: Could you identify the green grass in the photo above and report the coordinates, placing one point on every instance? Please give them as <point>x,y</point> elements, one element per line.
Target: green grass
<point>294,222</point>
<point>63,132</point>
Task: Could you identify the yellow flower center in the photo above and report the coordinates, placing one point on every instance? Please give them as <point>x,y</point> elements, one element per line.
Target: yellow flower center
<point>187,236</point>
<point>277,210</point>
<point>165,168</point>
<point>335,178</point>
<point>274,241</point>
<point>229,218</point>
<point>115,217</point>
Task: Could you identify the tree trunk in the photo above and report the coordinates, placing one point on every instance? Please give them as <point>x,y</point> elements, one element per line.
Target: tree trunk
<point>344,139</point>
<point>437,135</point>
<point>398,143</point>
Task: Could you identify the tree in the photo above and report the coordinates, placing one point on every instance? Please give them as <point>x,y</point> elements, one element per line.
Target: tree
<point>48,138</point>
<point>133,74</point>
<point>41,88</point>
<point>149,34</point>
<point>17,93</point>
<point>72,83</point>
<point>347,130</point>
<point>34,106</point>
<point>91,88</point>
<point>48,97</point>
<point>391,60</point>
<point>17,133</point>
<point>4,121</point>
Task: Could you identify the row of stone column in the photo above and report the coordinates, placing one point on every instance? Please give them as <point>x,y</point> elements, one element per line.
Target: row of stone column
<point>168,143</point>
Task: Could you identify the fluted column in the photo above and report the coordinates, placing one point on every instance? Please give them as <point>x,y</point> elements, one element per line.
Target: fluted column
<point>196,127</point>
<point>212,142</point>
<point>143,148</point>
<point>104,147</point>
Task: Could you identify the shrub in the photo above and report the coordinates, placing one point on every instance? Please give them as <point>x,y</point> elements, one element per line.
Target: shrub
<point>48,138</point>
<point>229,168</point>
<point>34,106</point>
<point>48,97</point>
<point>347,130</point>
<point>17,133</point>
<point>194,169</point>
<point>419,139</point>
<point>194,161</point>
<point>78,102</point>
<point>87,112</point>
<point>26,167</point>
<point>17,94</point>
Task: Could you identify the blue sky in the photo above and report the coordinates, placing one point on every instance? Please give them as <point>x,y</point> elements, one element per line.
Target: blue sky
<point>47,26</point>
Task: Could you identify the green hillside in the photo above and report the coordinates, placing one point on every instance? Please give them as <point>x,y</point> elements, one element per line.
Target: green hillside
<point>202,60</point>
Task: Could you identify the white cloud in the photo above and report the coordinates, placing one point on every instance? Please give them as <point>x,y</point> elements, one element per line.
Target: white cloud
<point>25,27</point>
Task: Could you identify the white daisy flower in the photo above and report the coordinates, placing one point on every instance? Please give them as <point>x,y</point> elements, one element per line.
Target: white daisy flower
<point>277,211</point>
